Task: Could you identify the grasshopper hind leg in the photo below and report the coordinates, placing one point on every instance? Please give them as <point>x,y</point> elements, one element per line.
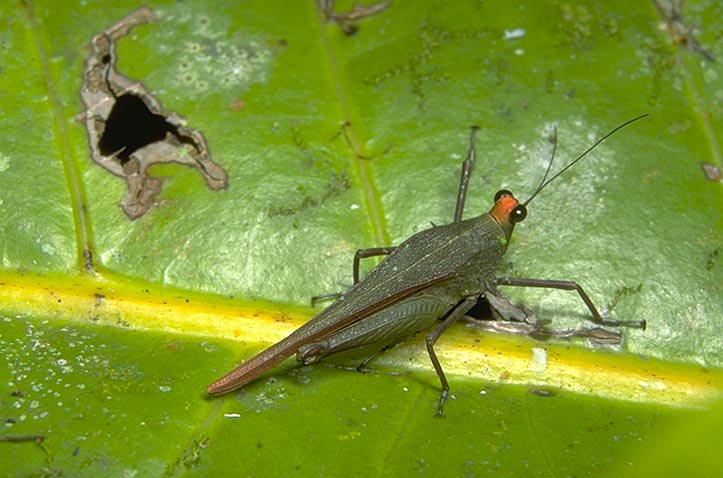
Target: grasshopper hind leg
<point>314,352</point>
<point>385,328</point>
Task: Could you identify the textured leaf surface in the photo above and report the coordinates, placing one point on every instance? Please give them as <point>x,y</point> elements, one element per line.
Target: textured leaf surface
<point>109,363</point>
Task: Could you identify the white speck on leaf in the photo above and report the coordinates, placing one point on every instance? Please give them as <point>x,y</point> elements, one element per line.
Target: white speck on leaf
<point>514,34</point>
<point>539,360</point>
<point>4,162</point>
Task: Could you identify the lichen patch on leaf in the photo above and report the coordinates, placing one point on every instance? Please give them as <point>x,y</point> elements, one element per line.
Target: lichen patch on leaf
<point>129,130</point>
<point>215,57</point>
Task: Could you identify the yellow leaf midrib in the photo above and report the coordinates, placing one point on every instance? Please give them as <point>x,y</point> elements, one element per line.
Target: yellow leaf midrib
<point>466,354</point>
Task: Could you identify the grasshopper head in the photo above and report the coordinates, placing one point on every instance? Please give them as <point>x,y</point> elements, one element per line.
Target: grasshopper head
<point>507,211</point>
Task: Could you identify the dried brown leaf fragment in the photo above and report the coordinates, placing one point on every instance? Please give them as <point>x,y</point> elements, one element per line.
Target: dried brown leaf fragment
<point>128,128</point>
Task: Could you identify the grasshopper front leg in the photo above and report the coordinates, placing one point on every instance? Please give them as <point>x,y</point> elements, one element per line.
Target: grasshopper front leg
<point>517,319</point>
<point>570,285</point>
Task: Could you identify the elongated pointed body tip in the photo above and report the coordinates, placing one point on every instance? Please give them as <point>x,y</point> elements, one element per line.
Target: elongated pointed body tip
<point>212,390</point>
<point>216,389</point>
<point>228,383</point>
<point>223,386</point>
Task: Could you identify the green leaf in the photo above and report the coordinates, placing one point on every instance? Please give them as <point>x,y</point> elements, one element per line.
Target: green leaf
<point>113,328</point>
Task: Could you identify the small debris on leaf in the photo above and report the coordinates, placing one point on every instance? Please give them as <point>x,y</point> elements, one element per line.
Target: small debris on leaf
<point>711,171</point>
<point>357,12</point>
<point>682,33</point>
<point>514,34</point>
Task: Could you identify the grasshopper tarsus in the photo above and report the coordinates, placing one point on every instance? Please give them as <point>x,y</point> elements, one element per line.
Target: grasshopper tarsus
<point>362,368</point>
<point>636,324</point>
<point>442,400</point>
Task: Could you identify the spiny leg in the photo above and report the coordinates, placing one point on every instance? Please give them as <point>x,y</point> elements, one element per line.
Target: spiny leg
<point>464,178</point>
<point>570,285</point>
<point>453,316</point>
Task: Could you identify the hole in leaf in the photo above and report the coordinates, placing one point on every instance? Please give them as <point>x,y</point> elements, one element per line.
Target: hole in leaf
<point>130,126</point>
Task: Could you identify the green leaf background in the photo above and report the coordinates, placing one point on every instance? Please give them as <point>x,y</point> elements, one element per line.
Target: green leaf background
<point>110,363</point>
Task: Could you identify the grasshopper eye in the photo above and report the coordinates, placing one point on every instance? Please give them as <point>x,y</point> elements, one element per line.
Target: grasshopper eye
<point>518,214</point>
<point>502,193</point>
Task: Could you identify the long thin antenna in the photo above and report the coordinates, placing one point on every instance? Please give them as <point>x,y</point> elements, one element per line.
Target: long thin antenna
<point>544,183</point>
<point>549,163</point>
